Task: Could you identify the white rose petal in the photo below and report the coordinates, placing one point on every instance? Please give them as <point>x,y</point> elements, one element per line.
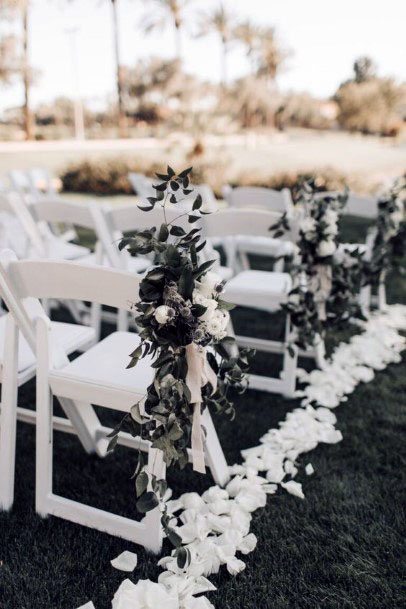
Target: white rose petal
<point>162,314</point>
<point>126,561</point>
<point>235,566</point>
<point>88,605</point>
<point>294,488</point>
<point>309,469</point>
<point>326,248</point>
<point>145,594</point>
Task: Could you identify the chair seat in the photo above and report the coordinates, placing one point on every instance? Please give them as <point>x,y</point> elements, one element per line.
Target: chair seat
<point>225,272</point>
<point>100,374</point>
<point>263,290</point>
<point>58,249</point>
<point>71,337</point>
<point>265,246</point>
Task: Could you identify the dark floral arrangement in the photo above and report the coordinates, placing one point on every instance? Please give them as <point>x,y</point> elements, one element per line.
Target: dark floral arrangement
<point>389,236</point>
<point>326,278</point>
<point>182,323</point>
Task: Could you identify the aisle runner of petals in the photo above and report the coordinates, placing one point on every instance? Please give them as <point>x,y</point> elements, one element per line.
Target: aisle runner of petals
<point>215,526</point>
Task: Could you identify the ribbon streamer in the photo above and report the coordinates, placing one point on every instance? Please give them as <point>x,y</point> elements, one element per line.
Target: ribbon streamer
<point>199,373</point>
<point>321,285</point>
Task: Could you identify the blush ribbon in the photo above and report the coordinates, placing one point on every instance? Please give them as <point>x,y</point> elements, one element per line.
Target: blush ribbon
<point>199,373</point>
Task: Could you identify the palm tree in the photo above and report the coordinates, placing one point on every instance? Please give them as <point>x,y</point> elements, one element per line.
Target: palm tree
<point>8,58</point>
<point>221,21</point>
<point>163,11</point>
<point>21,7</point>
<point>121,115</point>
<point>248,34</point>
<point>271,56</point>
<point>122,120</point>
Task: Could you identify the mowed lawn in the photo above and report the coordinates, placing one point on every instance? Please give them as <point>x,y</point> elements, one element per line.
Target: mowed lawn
<point>340,548</point>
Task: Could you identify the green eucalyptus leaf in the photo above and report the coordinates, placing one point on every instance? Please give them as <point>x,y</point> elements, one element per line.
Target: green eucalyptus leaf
<point>147,502</point>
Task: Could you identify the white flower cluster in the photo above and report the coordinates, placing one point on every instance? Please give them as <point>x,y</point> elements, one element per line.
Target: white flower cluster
<point>308,228</point>
<point>215,526</point>
<point>397,216</point>
<point>215,320</point>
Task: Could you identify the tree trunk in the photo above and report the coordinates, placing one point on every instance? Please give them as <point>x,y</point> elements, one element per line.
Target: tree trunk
<point>178,41</point>
<point>28,122</point>
<point>122,121</point>
<point>224,51</point>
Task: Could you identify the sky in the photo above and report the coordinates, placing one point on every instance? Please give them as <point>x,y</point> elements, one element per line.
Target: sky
<point>325,37</point>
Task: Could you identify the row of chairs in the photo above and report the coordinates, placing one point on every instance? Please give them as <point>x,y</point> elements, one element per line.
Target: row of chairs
<point>34,344</point>
<point>107,277</point>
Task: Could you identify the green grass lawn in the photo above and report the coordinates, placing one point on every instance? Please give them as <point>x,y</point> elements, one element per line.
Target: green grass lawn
<point>340,548</point>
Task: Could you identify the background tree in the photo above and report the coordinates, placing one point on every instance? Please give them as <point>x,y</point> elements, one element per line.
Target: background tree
<point>270,55</point>
<point>122,121</point>
<point>9,60</point>
<point>369,103</point>
<point>162,12</point>
<point>248,34</point>
<point>20,9</point>
<point>364,69</point>
<point>221,21</point>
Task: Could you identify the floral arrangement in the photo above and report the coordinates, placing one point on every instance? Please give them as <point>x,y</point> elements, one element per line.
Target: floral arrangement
<point>182,323</point>
<point>326,278</point>
<point>389,237</point>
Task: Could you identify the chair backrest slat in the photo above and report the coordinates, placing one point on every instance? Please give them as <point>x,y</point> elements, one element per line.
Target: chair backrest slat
<point>364,207</point>
<point>259,198</point>
<point>63,212</point>
<point>231,222</point>
<point>68,280</point>
<point>127,218</point>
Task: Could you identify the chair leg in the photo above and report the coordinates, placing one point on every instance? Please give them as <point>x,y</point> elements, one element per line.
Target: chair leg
<point>365,299</point>
<point>382,305</point>
<point>43,484</point>
<point>215,458</point>
<point>289,370</point>
<point>244,259</point>
<point>290,357</point>
<point>152,520</point>
<point>122,320</point>
<point>8,416</point>
<point>320,353</point>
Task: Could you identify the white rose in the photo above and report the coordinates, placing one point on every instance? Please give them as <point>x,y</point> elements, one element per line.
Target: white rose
<point>397,217</point>
<point>211,306</point>
<point>163,313</point>
<point>308,226</point>
<point>326,248</point>
<point>145,594</point>
<point>208,283</point>
<point>294,298</point>
<point>217,325</point>
<point>331,216</point>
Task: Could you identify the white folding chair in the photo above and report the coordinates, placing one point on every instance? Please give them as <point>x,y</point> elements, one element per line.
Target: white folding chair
<point>20,182</point>
<point>367,208</point>
<point>17,366</point>
<point>253,197</point>
<point>42,183</point>
<point>106,253</point>
<point>261,290</point>
<point>256,197</point>
<point>141,185</point>
<point>113,221</point>
<point>98,376</point>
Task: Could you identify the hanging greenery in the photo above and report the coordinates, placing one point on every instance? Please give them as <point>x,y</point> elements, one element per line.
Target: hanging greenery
<point>326,277</point>
<point>182,321</point>
<point>389,237</point>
